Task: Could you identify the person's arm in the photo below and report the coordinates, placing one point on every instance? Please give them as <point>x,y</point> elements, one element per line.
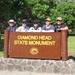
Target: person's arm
<point>65,28</point>
<point>14,29</point>
<point>8,28</point>
<point>50,31</point>
<point>43,29</point>
<point>47,30</point>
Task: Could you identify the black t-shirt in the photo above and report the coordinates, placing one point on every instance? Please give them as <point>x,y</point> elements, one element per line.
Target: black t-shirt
<point>58,27</point>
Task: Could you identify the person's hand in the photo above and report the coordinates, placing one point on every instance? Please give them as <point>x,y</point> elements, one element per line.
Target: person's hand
<point>66,28</point>
<point>62,28</point>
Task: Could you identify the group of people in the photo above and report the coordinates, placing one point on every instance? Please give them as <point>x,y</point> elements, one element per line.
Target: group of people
<point>48,27</point>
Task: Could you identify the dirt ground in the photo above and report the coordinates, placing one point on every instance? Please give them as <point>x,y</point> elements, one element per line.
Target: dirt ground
<point>71,53</point>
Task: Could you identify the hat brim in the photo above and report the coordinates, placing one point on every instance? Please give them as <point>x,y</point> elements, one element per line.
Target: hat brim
<point>36,23</point>
<point>59,19</point>
<point>11,22</point>
<point>24,22</point>
<point>48,20</point>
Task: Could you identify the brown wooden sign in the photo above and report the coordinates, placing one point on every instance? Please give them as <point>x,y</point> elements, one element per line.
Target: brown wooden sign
<point>44,45</point>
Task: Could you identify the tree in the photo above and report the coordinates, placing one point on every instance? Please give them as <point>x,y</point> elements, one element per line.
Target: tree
<point>29,9</point>
<point>67,11</point>
<point>41,8</point>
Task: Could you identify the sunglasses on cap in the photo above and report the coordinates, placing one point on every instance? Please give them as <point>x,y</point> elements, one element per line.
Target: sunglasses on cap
<point>47,21</point>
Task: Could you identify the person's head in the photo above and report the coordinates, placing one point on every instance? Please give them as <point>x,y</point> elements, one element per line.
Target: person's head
<point>11,22</point>
<point>59,20</point>
<point>24,22</point>
<point>48,21</point>
<point>36,23</point>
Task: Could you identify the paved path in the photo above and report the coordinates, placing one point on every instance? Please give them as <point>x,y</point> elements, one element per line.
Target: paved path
<point>26,73</point>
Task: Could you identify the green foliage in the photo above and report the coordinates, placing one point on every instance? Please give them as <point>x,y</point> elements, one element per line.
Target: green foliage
<point>29,9</point>
<point>36,9</point>
<point>66,10</point>
<point>41,8</point>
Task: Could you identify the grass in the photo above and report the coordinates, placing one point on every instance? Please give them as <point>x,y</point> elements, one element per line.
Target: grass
<point>71,44</point>
<point>71,40</point>
<point>1,45</point>
<point>1,53</point>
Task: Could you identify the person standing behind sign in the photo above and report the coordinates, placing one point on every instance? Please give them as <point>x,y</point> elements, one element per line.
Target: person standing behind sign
<point>60,26</point>
<point>48,27</point>
<point>12,26</point>
<point>35,27</point>
<point>24,27</point>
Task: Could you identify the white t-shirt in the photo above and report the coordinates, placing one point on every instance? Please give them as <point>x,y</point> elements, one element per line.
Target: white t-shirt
<point>32,29</point>
<point>22,29</point>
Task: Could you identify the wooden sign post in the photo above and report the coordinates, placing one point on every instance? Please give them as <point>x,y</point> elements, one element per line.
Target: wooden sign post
<point>6,43</point>
<point>64,46</point>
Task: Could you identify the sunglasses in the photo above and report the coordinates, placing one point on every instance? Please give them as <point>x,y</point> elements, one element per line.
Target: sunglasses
<point>59,20</point>
<point>47,21</point>
<point>11,22</point>
<point>24,22</point>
